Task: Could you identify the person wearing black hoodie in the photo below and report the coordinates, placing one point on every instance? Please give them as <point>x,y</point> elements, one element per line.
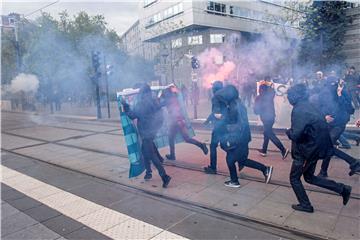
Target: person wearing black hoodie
<point>264,106</point>
<point>216,132</point>
<point>334,103</point>
<point>310,141</point>
<point>148,113</point>
<point>236,134</point>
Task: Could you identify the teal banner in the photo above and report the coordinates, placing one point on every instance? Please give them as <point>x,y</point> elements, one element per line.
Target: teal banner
<point>131,136</point>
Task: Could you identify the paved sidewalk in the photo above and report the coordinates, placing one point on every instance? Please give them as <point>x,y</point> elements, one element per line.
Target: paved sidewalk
<point>98,149</point>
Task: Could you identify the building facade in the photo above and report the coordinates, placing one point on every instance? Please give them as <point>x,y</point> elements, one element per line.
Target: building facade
<point>132,43</point>
<point>170,32</point>
<point>186,28</point>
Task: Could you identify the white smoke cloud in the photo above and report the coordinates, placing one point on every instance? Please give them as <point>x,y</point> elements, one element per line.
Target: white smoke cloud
<point>24,82</point>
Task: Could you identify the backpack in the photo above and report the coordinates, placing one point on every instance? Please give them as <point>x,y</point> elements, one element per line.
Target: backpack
<point>234,127</point>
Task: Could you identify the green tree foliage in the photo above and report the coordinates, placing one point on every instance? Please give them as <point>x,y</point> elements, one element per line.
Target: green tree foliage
<point>323,29</point>
<point>58,52</point>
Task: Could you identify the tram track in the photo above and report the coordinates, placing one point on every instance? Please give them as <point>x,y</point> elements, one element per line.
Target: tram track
<point>180,165</point>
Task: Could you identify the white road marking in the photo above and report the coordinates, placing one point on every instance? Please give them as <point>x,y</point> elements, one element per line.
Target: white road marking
<point>104,220</point>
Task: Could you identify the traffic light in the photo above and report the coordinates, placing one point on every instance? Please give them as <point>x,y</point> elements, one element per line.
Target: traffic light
<point>109,69</point>
<point>95,56</point>
<point>195,64</point>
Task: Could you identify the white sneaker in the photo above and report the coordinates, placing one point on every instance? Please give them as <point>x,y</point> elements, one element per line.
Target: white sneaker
<point>263,154</point>
<point>285,154</point>
<point>232,184</point>
<point>269,171</point>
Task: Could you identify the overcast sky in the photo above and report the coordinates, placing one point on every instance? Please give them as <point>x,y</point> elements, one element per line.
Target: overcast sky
<point>119,15</point>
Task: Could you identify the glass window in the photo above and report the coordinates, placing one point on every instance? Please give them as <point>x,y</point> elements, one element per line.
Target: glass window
<point>148,2</point>
<point>217,38</point>
<point>216,7</point>
<point>210,6</point>
<point>176,9</point>
<point>176,43</point>
<point>195,40</point>
<point>180,5</point>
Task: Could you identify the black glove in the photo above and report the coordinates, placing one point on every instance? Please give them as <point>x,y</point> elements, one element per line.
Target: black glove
<point>288,132</point>
<point>125,105</point>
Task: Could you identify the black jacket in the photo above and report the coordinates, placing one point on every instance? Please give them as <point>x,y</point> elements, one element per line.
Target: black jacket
<point>264,105</point>
<point>309,132</point>
<point>228,103</point>
<point>149,116</point>
<point>339,107</point>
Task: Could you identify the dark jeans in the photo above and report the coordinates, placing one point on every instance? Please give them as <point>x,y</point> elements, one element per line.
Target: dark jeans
<point>343,141</point>
<point>215,139</point>
<point>180,127</point>
<point>355,98</point>
<point>350,136</point>
<point>150,153</point>
<point>240,155</point>
<point>335,133</point>
<point>270,135</point>
<point>307,168</point>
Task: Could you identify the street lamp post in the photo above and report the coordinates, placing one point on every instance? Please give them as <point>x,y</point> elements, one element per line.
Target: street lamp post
<point>96,79</point>
<point>108,71</point>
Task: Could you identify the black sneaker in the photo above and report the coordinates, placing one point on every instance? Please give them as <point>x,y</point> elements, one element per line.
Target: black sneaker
<point>205,149</point>
<point>322,174</point>
<point>299,207</point>
<point>209,170</point>
<point>166,180</point>
<point>355,169</point>
<point>262,153</point>
<point>170,157</point>
<point>232,184</point>
<point>268,174</point>
<point>148,176</point>
<point>346,194</point>
<point>285,154</point>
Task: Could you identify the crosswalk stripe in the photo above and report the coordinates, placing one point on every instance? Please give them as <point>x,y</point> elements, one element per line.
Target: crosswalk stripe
<point>111,223</point>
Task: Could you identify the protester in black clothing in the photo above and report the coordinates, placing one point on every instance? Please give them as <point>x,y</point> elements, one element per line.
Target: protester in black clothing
<point>352,81</point>
<point>149,117</point>
<point>311,141</point>
<point>177,123</point>
<point>236,134</point>
<point>216,132</point>
<point>264,106</point>
<point>334,103</point>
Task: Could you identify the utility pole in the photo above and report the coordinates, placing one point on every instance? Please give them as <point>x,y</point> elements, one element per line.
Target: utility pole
<point>108,72</point>
<point>96,78</point>
<point>195,64</point>
<point>171,63</point>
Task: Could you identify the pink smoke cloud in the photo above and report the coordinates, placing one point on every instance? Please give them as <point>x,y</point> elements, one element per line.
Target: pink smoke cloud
<point>213,68</point>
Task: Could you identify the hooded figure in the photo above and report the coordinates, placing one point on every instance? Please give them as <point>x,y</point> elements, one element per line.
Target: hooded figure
<point>177,122</point>
<point>235,135</point>
<point>147,111</point>
<point>216,132</point>
<point>335,105</point>
<point>264,106</point>
<point>310,141</point>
